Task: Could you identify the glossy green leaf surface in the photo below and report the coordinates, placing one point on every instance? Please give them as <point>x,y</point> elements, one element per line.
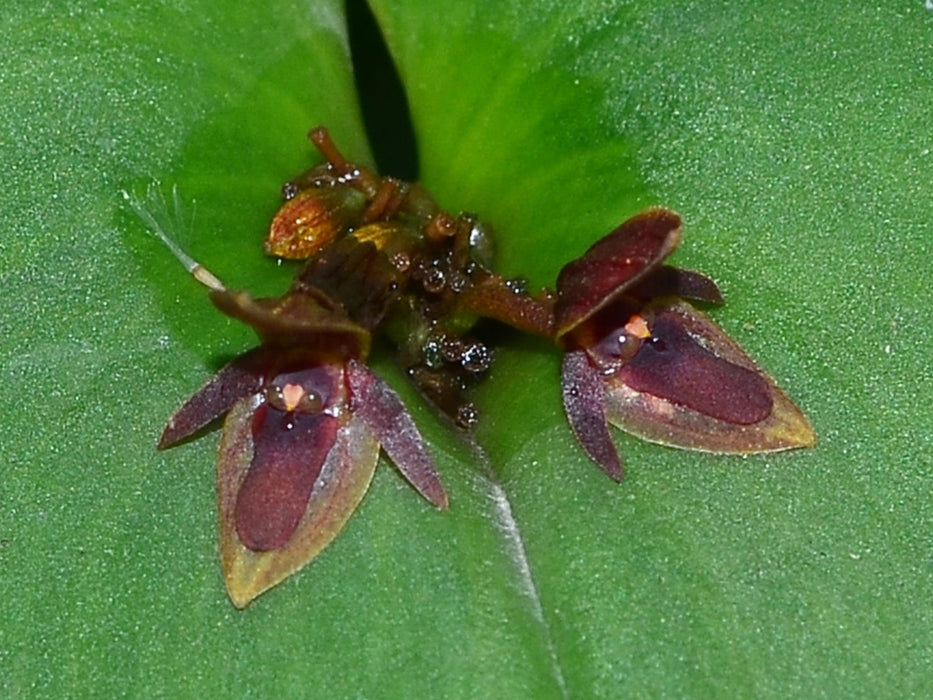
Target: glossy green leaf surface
<point>795,140</point>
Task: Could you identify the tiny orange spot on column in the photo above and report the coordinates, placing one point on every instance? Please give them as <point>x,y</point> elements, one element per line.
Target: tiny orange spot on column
<point>291,394</point>
<point>638,327</point>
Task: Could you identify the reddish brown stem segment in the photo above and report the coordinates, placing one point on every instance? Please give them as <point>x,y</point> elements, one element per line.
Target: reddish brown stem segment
<point>321,139</point>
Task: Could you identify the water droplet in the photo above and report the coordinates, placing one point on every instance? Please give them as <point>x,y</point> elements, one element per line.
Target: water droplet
<point>452,349</point>
<point>518,285</point>
<point>476,358</point>
<point>434,280</point>
<point>433,353</point>
<point>467,415</point>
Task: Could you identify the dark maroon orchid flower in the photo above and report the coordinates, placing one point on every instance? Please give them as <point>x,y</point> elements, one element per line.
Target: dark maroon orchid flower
<point>304,422</point>
<point>640,357</point>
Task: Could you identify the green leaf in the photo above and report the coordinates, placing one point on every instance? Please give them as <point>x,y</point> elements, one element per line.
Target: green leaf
<point>795,141</point>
